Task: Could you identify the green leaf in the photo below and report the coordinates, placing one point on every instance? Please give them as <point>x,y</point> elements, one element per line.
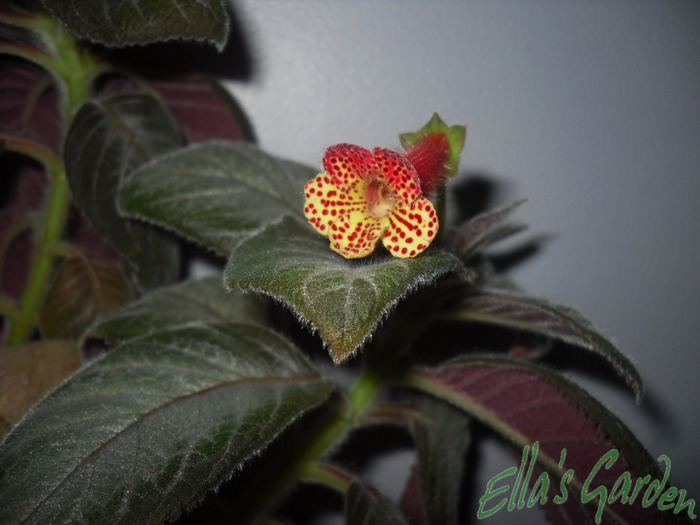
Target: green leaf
<point>117,23</point>
<point>366,506</point>
<point>484,229</point>
<point>442,437</point>
<point>520,312</point>
<point>217,193</point>
<point>190,303</point>
<point>345,300</point>
<point>526,403</point>
<point>145,432</point>
<point>106,141</point>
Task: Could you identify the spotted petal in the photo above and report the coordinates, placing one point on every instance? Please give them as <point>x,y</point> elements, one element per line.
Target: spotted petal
<point>412,228</point>
<point>397,174</point>
<point>347,164</point>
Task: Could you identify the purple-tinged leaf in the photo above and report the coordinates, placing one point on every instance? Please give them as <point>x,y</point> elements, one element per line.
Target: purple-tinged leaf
<point>83,290</point>
<point>528,404</point>
<point>20,33</point>
<point>29,371</point>
<point>485,229</point>
<point>204,109</point>
<point>29,104</point>
<point>17,221</point>
<point>536,316</point>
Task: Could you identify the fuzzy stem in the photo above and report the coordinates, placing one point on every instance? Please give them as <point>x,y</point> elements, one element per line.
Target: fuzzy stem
<point>73,71</point>
<point>304,463</point>
<point>359,397</point>
<point>40,272</point>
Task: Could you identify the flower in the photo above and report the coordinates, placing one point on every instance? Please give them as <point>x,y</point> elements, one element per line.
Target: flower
<point>364,196</point>
<point>434,151</point>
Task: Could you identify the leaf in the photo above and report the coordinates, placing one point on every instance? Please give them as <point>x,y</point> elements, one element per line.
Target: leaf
<point>442,437</point>
<point>83,290</point>
<point>484,229</point>
<point>116,23</point>
<point>344,299</point>
<point>216,193</point>
<point>525,404</point>
<point>146,431</point>
<point>190,303</point>
<point>30,103</point>
<point>204,109</point>
<point>366,506</point>
<point>28,371</point>
<point>17,222</point>
<point>520,312</point>
<point>21,34</point>
<point>106,141</point>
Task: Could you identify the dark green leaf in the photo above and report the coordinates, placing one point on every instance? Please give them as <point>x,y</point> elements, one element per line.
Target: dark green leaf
<point>441,435</point>
<point>146,431</point>
<point>366,506</point>
<point>521,312</point>
<point>106,141</point>
<point>344,299</point>
<point>190,303</point>
<point>217,193</point>
<point>117,23</point>
<point>525,404</point>
<point>485,229</point>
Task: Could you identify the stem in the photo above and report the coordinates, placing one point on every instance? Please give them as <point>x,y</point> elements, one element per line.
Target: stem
<point>359,397</point>
<point>73,70</point>
<point>40,272</point>
<point>303,464</point>
<point>441,210</point>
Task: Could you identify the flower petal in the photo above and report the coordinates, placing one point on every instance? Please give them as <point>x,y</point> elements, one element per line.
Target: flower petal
<point>316,208</point>
<point>356,234</point>
<point>397,174</point>
<point>411,228</point>
<point>347,164</point>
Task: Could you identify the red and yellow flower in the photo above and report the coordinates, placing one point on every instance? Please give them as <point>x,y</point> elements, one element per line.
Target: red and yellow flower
<point>364,196</point>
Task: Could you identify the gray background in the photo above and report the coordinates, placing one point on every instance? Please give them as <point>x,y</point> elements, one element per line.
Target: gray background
<point>589,108</point>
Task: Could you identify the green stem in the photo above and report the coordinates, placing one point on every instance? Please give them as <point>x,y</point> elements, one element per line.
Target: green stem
<point>304,464</point>
<point>74,70</point>
<point>359,397</point>
<point>40,272</point>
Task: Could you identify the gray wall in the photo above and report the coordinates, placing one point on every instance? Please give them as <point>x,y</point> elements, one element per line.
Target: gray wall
<point>589,108</point>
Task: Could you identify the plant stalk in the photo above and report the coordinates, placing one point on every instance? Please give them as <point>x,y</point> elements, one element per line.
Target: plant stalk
<point>73,70</point>
<point>303,465</point>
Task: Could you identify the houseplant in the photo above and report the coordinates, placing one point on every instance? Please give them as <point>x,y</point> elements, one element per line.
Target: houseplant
<point>195,385</point>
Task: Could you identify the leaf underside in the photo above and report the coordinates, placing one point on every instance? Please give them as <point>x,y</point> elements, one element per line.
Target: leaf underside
<point>519,312</point>
<point>525,403</point>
